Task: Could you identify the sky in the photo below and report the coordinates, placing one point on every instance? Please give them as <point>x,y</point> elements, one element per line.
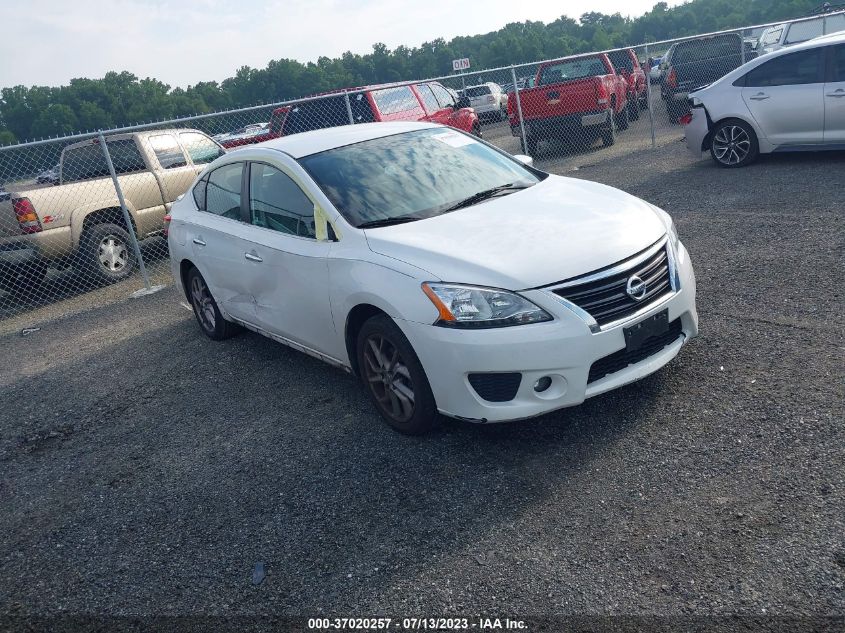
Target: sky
<point>181,42</point>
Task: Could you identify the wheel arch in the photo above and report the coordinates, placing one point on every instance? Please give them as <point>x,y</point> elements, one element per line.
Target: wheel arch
<point>705,143</point>
<point>355,320</point>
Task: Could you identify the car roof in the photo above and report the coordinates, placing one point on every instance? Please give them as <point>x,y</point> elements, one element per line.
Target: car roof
<point>316,141</point>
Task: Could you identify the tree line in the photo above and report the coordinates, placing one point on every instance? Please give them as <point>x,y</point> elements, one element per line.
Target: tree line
<point>121,98</point>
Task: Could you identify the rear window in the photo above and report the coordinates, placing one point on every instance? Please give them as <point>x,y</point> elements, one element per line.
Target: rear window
<point>621,60</point>
<point>572,69</point>
<point>87,161</point>
<point>710,48</point>
<point>316,115</point>
<point>803,31</point>
<point>396,100</point>
<point>200,148</point>
<point>477,91</point>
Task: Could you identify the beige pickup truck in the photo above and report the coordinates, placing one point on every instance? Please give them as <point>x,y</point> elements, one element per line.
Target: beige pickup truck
<point>79,222</point>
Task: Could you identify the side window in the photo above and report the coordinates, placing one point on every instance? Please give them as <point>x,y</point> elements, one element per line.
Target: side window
<point>223,193</point>
<point>199,193</point>
<point>804,67</point>
<point>396,100</point>
<point>803,31</point>
<point>83,162</point>
<point>443,97</point>
<point>167,151</point>
<point>428,98</point>
<point>200,148</point>
<point>125,156</point>
<point>276,202</point>
<point>838,63</point>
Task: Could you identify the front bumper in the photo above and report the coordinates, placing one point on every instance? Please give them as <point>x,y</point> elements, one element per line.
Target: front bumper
<point>696,131</point>
<point>563,349</point>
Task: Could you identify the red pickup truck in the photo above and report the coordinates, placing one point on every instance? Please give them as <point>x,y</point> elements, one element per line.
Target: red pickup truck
<point>425,101</point>
<point>626,63</point>
<point>582,97</point>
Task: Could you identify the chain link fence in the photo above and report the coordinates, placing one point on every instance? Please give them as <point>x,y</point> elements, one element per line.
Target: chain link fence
<point>88,211</point>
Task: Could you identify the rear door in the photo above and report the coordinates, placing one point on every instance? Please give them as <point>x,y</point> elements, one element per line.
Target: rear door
<point>176,173</point>
<point>781,87</point>
<point>834,96</point>
<point>215,233</point>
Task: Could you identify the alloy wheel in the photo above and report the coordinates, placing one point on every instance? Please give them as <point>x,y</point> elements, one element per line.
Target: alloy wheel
<point>388,378</point>
<point>203,303</point>
<point>731,145</point>
<point>113,254</point>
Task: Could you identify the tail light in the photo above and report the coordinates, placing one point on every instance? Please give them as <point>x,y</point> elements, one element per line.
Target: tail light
<point>167,219</point>
<point>601,93</point>
<point>686,119</point>
<point>672,79</point>
<point>27,218</point>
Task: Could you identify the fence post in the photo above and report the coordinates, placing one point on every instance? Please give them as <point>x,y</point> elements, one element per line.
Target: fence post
<point>742,44</point>
<point>519,110</point>
<point>126,217</point>
<point>648,96</point>
<point>348,108</point>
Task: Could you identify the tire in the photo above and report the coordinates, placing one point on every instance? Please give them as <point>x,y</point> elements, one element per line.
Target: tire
<point>622,118</point>
<point>23,281</point>
<point>106,253</point>
<point>733,143</point>
<point>634,108</point>
<point>608,135</point>
<point>476,130</point>
<point>394,378</point>
<point>529,145</point>
<point>206,312</point>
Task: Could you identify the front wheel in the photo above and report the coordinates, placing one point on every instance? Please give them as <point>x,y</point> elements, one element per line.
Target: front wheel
<point>734,144</point>
<point>394,378</point>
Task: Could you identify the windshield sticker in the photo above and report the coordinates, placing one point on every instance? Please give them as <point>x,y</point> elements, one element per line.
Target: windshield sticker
<point>454,139</point>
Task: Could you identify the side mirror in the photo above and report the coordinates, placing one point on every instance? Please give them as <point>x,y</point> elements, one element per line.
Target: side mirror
<point>525,160</point>
<point>462,102</point>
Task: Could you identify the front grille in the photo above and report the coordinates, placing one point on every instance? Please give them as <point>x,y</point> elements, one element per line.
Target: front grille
<point>496,387</point>
<point>618,361</point>
<point>607,300</point>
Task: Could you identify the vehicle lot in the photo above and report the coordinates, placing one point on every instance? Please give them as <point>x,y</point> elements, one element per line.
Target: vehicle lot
<point>146,469</point>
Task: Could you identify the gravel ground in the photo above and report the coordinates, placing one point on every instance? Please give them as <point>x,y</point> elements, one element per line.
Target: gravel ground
<point>145,470</point>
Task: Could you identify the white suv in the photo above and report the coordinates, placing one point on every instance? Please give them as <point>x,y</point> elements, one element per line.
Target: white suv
<point>488,100</point>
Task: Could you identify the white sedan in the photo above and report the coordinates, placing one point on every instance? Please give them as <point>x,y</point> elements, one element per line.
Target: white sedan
<point>446,274</point>
<point>791,100</point>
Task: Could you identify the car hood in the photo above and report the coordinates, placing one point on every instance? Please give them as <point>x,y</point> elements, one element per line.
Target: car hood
<point>557,229</point>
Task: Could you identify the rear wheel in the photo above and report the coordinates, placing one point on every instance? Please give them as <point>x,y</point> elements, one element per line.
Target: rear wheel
<point>633,108</point>
<point>622,119</point>
<point>734,144</point>
<point>394,378</point>
<point>529,145</point>
<point>106,252</point>
<point>608,135</point>
<point>208,315</point>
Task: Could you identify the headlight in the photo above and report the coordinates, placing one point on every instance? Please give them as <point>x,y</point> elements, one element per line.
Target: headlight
<point>474,307</point>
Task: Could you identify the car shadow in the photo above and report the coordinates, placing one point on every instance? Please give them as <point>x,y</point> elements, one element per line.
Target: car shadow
<point>213,456</point>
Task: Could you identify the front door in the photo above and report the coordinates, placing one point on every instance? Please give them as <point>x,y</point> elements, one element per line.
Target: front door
<point>777,90</point>
<point>286,265</point>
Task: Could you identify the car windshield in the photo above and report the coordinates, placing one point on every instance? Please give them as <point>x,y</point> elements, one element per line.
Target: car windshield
<point>413,175</point>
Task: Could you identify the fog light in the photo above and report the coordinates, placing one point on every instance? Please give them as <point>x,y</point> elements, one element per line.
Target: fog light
<point>541,385</point>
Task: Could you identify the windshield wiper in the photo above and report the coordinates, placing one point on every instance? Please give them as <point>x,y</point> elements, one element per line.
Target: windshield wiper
<point>485,195</point>
<point>401,219</point>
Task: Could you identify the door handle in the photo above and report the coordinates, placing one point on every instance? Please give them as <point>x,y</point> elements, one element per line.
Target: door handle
<point>198,241</point>
<point>252,257</point>
<point>553,94</point>
<point>837,93</point>
<point>759,96</point>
